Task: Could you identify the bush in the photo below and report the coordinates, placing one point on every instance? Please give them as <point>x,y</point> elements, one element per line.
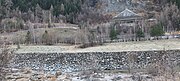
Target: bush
<point>152,69</point>
<point>113,34</point>
<point>28,38</point>
<point>157,30</point>
<point>139,33</point>
<point>6,55</point>
<point>46,38</point>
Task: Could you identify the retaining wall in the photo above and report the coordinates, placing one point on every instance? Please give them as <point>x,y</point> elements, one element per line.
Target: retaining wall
<point>99,60</point>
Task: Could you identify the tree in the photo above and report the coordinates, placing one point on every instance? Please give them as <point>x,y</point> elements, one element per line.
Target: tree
<point>46,38</point>
<point>131,59</point>
<point>50,14</point>
<point>49,25</point>
<point>113,34</point>
<point>99,34</point>
<point>169,17</point>
<point>5,56</point>
<point>177,2</point>
<point>62,8</point>
<point>157,30</point>
<point>8,24</point>
<point>38,14</point>
<point>7,6</point>
<point>20,24</point>
<point>28,38</point>
<point>139,33</point>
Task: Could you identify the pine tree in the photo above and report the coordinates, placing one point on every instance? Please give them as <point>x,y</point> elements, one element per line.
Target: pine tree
<point>62,8</point>
<point>28,38</point>
<point>157,30</point>
<point>46,38</point>
<point>38,14</point>
<point>113,34</point>
<point>7,7</point>
<point>139,33</point>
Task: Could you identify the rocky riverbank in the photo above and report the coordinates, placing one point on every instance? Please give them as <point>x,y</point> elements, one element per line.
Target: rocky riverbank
<point>70,62</point>
<point>31,75</point>
<point>92,66</point>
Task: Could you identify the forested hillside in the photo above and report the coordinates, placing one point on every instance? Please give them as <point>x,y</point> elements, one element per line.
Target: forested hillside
<point>176,1</point>
<point>58,7</point>
<point>69,11</point>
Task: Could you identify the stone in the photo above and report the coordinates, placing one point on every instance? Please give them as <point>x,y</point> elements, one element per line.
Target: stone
<point>11,80</point>
<point>13,70</point>
<point>10,77</point>
<point>58,73</point>
<point>116,78</point>
<point>22,79</point>
<point>98,75</point>
<point>53,78</point>
<point>67,80</point>
<point>71,62</point>
<point>26,70</point>
<point>61,77</point>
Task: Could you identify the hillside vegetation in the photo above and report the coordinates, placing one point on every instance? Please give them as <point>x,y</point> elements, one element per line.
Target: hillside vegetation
<point>72,10</point>
<point>87,15</point>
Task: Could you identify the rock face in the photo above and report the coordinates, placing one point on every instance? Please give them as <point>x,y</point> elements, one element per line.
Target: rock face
<point>120,5</point>
<point>70,62</point>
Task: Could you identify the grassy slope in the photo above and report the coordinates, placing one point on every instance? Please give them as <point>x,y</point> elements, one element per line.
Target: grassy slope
<point>61,33</point>
<point>110,47</point>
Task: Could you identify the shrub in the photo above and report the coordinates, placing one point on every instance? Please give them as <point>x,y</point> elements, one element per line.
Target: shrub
<point>28,38</point>
<point>46,38</point>
<point>113,34</point>
<point>157,30</point>
<point>6,55</point>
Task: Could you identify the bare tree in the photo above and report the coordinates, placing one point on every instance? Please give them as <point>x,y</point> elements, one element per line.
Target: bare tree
<point>169,17</point>
<point>28,38</point>
<point>131,59</point>
<point>5,56</point>
<point>50,14</point>
<point>38,14</point>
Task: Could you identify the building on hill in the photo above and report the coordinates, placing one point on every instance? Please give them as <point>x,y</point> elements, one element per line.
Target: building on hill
<point>126,15</point>
<point>126,24</point>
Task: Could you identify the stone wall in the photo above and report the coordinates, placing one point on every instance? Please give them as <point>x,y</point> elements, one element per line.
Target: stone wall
<point>69,62</point>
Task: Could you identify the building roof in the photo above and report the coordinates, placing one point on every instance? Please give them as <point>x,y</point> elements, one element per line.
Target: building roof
<point>126,14</point>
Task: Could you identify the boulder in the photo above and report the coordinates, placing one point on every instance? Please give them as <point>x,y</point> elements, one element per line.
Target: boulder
<point>58,73</point>
<point>26,70</point>
<point>22,79</point>
<point>97,75</point>
<point>61,77</point>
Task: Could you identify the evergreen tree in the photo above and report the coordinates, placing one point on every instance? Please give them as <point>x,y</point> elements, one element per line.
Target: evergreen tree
<point>6,7</point>
<point>62,8</point>
<point>113,34</point>
<point>139,33</point>
<point>28,38</point>
<point>157,30</point>
<point>49,25</point>
<point>50,14</point>
<point>46,38</point>
<point>38,14</point>
<point>177,2</point>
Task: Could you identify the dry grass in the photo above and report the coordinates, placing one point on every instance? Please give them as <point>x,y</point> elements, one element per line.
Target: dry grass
<point>55,33</point>
<point>172,44</point>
